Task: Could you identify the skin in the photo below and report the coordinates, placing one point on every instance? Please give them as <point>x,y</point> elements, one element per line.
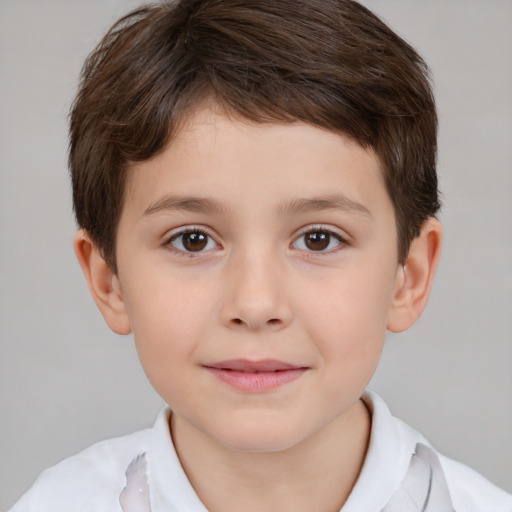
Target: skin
<point>259,290</point>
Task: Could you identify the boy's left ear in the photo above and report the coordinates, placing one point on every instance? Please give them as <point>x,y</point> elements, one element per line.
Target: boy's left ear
<point>415,277</point>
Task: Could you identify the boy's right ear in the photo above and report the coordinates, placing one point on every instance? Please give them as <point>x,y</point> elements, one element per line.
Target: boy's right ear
<point>103,283</point>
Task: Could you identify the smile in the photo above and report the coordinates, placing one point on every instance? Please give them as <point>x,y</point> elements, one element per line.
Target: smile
<point>255,376</point>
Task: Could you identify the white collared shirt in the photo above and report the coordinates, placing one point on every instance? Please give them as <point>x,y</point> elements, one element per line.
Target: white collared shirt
<point>94,479</point>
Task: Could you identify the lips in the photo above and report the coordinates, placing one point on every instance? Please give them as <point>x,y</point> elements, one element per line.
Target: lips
<point>244,365</point>
<point>255,376</point>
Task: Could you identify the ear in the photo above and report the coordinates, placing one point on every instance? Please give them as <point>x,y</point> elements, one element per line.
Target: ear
<point>103,283</point>
<point>415,277</point>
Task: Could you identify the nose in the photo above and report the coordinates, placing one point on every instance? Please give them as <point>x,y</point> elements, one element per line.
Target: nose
<point>255,296</point>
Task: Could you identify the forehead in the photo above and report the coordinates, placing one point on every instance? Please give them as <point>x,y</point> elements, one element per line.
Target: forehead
<point>210,126</point>
<point>239,162</point>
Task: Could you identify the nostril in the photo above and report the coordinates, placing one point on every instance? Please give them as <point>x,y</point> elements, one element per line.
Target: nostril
<point>272,321</point>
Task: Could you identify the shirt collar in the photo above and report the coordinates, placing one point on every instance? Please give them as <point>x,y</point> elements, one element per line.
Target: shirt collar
<point>389,453</point>
<point>387,459</point>
<point>170,489</point>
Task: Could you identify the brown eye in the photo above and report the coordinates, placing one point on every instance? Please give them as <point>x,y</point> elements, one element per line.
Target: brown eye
<point>317,240</point>
<point>192,241</point>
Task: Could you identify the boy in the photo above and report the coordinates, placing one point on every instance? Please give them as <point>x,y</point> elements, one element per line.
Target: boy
<point>255,186</point>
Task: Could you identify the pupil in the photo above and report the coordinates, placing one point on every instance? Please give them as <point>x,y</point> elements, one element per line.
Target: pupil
<point>317,241</point>
<point>194,241</point>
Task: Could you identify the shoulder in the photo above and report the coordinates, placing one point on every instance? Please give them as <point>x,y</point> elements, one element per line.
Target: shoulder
<point>468,489</point>
<point>91,480</point>
<point>471,491</point>
<point>399,457</point>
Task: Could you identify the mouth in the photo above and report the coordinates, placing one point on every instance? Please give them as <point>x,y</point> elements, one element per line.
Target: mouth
<point>255,376</point>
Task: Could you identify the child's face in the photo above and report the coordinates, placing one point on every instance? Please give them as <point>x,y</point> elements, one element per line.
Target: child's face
<point>248,243</point>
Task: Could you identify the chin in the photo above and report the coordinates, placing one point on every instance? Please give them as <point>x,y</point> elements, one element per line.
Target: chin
<point>260,437</point>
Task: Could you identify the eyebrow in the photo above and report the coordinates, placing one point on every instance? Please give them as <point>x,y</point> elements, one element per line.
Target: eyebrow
<point>323,203</point>
<point>189,204</point>
<point>291,207</point>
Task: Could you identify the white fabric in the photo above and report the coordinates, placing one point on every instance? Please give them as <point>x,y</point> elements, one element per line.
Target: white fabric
<point>95,479</point>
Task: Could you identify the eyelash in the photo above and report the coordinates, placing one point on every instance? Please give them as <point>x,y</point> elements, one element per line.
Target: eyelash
<point>201,231</point>
<point>189,230</point>
<point>324,230</point>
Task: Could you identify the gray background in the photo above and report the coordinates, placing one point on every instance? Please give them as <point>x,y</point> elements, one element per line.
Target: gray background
<point>66,381</point>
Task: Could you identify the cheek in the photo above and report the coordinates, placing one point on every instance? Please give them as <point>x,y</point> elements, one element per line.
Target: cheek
<point>168,319</point>
<point>348,319</point>
<point>351,332</point>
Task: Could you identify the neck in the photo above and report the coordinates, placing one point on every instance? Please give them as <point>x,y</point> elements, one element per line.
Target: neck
<point>317,474</point>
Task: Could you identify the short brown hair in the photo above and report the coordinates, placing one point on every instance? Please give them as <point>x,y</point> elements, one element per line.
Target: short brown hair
<point>330,63</point>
